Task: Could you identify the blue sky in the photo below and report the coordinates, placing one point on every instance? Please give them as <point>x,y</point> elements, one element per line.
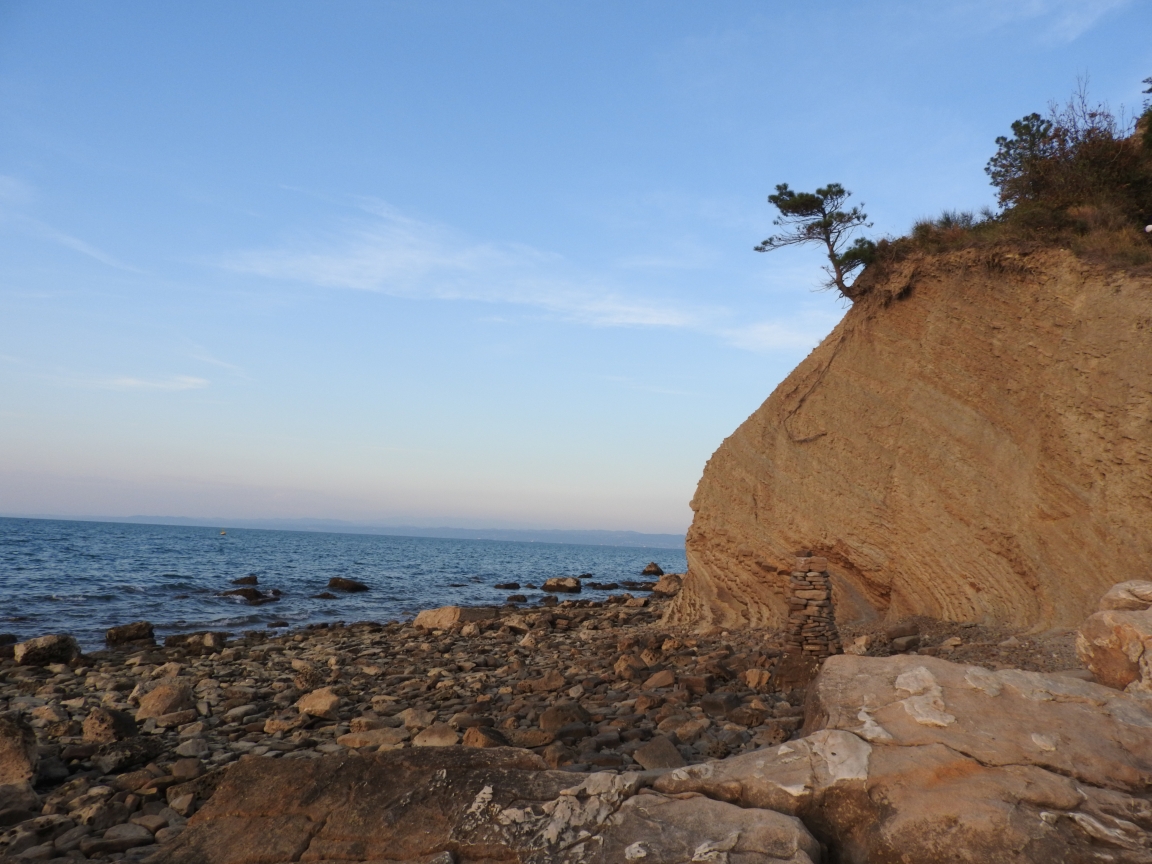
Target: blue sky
<point>461,263</point>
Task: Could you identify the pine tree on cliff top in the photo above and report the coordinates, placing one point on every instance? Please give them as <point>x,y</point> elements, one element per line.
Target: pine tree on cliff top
<point>819,217</point>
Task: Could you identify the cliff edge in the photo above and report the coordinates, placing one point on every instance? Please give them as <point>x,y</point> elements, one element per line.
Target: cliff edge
<point>973,442</point>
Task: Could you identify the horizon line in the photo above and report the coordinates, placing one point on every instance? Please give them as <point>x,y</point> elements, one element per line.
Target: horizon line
<point>575,536</point>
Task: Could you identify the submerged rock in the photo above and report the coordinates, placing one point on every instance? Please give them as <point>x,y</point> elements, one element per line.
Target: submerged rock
<point>342,584</point>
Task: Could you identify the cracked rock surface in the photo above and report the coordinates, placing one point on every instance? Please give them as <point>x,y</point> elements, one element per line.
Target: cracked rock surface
<point>496,805</point>
<point>918,760</point>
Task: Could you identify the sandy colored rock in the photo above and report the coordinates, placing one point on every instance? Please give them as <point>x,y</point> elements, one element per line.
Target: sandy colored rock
<point>757,679</point>
<point>385,737</point>
<point>483,736</point>
<point>165,698</point>
<point>562,584</point>
<point>437,735</point>
<point>560,715</point>
<point>660,752</point>
<point>971,442</point>
<point>663,678</point>
<point>546,683</point>
<point>922,761</point>
<point>448,616</point>
<point>1132,596</point>
<point>105,725</point>
<point>530,738</point>
<point>630,667</point>
<point>416,718</point>
<point>285,721</point>
<point>18,754</point>
<point>1115,646</point>
<point>655,828</point>
<point>319,703</point>
<point>668,586</point>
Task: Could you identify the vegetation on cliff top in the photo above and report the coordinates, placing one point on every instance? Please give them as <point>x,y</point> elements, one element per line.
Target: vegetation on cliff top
<point>1077,178</point>
<point>820,218</point>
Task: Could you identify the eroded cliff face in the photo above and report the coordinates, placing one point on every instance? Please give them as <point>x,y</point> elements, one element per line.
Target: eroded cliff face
<point>972,442</point>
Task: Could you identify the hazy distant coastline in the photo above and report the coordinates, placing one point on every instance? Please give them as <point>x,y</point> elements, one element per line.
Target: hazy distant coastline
<point>338,526</point>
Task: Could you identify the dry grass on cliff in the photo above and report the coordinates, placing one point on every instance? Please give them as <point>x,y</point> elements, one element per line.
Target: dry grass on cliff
<point>1094,233</point>
<point>1079,180</point>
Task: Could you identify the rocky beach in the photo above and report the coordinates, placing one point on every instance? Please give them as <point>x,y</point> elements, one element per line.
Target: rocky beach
<point>131,752</point>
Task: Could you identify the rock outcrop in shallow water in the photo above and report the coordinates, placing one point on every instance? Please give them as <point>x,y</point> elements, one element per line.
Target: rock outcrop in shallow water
<point>972,442</point>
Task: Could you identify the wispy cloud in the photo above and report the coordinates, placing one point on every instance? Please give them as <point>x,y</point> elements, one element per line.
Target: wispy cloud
<point>14,191</point>
<point>395,254</point>
<point>1058,21</point>
<point>199,352</point>
<point>174,382</point>
<point>16,194</point>
<point>78,245</point>
<point>389,252</point>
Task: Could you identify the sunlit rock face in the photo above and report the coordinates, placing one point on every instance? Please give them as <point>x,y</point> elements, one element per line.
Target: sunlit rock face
<point>972,442</point>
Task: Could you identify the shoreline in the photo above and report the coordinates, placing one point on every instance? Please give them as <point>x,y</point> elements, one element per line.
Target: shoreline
<point>141,735</point>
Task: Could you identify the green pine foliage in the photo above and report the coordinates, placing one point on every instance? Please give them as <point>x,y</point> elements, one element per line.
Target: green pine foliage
<point>822,218</point>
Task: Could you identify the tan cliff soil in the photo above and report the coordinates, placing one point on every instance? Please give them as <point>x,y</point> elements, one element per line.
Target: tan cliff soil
<point>973,442</point>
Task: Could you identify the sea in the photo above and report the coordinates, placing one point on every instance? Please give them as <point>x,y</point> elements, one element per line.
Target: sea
<point>60,576</point>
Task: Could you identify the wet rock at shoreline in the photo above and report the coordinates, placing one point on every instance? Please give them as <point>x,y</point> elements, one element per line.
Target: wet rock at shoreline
<point>253,596</point>
<point>57,648</point>
<point>139,631</point>
<point>587,685</point>
<point>562,584</point>
<point>449,616</point>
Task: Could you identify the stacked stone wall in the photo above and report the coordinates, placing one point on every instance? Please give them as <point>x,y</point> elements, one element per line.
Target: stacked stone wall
<point>811,615</point>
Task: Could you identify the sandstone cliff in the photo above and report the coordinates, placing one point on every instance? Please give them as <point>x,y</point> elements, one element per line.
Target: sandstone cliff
<point>972,442</point>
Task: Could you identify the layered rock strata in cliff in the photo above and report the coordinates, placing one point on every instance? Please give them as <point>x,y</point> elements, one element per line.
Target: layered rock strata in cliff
<point>973,442</point>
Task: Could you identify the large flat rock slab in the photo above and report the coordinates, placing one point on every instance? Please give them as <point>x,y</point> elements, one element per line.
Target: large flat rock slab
<point>920,761</point>
<point>438,806</point>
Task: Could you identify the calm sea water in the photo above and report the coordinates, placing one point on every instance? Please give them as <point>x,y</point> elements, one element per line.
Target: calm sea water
<point>84,577</point>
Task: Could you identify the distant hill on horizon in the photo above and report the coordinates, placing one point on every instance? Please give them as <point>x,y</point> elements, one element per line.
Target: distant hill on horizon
<point>338,526</point>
